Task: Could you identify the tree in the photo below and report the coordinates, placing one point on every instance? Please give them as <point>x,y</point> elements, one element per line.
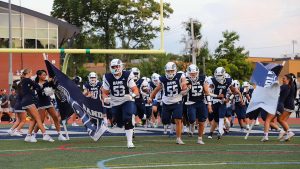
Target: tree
<point>129,21</point>
<point>155,64</point>
<point>232,57</point>
<point>227,48</point>
<point>134,22</point>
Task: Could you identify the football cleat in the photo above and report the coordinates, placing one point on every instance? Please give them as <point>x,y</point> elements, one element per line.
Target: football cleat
<point>130,145</point>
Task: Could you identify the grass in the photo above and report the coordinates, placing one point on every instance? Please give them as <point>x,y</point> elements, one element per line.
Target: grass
<point>152,151</point>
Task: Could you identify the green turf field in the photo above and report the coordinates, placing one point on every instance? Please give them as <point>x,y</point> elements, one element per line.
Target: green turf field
<point>154,151</point>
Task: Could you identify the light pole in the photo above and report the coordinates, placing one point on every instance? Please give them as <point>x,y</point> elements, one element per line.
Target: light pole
<point>294,42</point>
<point>10,73</point>
<point>193,42</point>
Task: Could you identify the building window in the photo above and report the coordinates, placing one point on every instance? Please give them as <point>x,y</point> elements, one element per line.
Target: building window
<point>3,32</point>
<point>42,43</point>
<point>29,43</point>
<point>28,32</point>
<point>4,42</point>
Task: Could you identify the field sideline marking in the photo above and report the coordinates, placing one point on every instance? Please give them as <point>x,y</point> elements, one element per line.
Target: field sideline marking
<point>57,148</point>
<point>264,144</point>
<point>208,164</point>
<point>101,164</point>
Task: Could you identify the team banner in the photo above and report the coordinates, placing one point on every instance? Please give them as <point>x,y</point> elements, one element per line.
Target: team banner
<point>88,109</point>
<point>265,75</point>
<point>267,90</point>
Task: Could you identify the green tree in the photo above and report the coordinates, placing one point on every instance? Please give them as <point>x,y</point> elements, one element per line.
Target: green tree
<point>155,64</point>
<point>131,22</point>
<point>232,57</point>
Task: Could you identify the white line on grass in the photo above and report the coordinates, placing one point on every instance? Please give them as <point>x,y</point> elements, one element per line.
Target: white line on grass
<point>170,165</point>
<point>101,164</point>
<point>210,164</point>
<point>47,149</point>
<point>264,144</point>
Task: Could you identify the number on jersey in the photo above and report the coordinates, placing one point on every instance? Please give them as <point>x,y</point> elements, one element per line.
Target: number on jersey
<point>172,90</point>
<point>119,91</point>
<point>197,90</point>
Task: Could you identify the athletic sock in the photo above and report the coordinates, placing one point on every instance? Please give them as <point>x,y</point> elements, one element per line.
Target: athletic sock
<point>221,125</point>
<point>129,134</point>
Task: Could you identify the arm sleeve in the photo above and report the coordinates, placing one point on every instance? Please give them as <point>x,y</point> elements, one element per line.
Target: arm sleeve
<point>83,86</point>
<point>105,83</point>
<point>130,81</point>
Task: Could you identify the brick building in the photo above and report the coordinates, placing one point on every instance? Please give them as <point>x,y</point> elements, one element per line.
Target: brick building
<point>30,29</point>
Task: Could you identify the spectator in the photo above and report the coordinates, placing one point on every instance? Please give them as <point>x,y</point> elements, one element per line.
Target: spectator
<point>4,104</point>
<point>297,103</point>
<point>12,100</point>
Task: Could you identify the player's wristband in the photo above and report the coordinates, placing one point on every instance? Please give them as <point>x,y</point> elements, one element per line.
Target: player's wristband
<point>231,96</point>
<point>208,98</point>
<point>213,95</point>
<point>133,95</point>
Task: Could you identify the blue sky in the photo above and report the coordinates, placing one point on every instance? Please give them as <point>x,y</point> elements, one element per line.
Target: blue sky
<point>266,27</point>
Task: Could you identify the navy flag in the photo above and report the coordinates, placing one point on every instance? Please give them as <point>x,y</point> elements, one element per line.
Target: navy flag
<point>265,74</point>
<point>88,109</point>
<point>265,95</point>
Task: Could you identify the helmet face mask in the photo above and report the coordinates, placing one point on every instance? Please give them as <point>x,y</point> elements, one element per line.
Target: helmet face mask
<point>236,84</point>
<point>93,78</point>
<point>193,72</point>
<point>170,70</point>
<point>116,66</point>
<point>246,84</point>
<point>155,78</point>
<point>136,72</point>
<point>220,75</point>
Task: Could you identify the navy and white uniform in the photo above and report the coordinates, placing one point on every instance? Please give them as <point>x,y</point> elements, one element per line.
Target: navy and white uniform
<point>28,93</point>
<point>44,102</point>
<point>146,98</point>
<point>122,106</point>
<point>229,105</point>
<point>157,101</point>
<point>286,101</point>
<point>172,98</point>
<point>240,110</point>
<point>197,109</point>
<point>219,107</point>
<point>139,101</point>
<point>93,89</point>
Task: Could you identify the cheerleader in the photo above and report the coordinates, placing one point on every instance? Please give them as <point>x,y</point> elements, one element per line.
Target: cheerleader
<point>15,130</point>
<point>285,108</point>
<point>28,91</point>
<point>44,102</point>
